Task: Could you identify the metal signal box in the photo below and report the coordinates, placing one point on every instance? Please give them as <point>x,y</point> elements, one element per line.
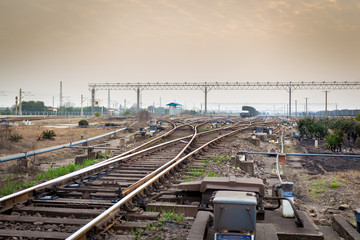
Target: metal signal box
<point>235,211</point>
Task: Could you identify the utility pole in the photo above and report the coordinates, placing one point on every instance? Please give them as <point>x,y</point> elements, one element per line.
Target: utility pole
<point>82,110</point>
<point>20,98</point>
<point>108,99</point>
<point>92,100</point>
<point>61,95</point>
<point>336,112</point>
<point>289,109</point>
<point>206,92</point>
<point>138,100</point>
<point>124,104</point>
<point>53,105</point>
<point>306,108</point>
<point>16,105</point>
<point>296,108</point>
<point>326,115</point>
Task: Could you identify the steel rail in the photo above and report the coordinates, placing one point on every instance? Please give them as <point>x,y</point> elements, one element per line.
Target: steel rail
<point>113,210</point>
<point>27,193</point>
<point>146,178</point>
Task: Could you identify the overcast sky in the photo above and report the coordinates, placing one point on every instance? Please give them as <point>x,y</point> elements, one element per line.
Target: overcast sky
<point>79,42</point>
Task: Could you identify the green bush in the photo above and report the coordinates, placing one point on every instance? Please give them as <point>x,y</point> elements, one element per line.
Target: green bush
<point>97,114</point>
<point>357,118</point>
<point>334,141</point>
<point>83,123</point>
<point>15,138</point>
<point>127,112</point>
<point>48,134</point>
<point>334,184</point>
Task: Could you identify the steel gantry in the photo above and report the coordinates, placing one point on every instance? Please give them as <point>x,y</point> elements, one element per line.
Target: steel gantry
<point>207,86</point>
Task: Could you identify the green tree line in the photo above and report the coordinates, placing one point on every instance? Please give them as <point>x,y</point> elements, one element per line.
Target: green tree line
<point>336,132</point>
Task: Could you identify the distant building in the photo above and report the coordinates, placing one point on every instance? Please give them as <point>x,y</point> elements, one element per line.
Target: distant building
<point>174,108</point>
<point>53,110</point>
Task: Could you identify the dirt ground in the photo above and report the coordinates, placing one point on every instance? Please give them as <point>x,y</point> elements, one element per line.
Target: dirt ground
<point>66,131</point>
<point>325,186</point>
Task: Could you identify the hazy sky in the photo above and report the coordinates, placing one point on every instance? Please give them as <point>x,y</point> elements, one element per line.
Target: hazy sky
<point>43,42</point>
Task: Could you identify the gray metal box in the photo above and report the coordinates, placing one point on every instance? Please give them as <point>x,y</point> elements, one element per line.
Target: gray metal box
<point>235,211</point>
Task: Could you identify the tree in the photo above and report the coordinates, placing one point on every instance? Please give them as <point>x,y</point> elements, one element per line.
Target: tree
<point>348,126</point>
<point>83,123</point>
<point>320,131</point>
<point>32,106</point>
<point>357,118</point>
<point>127,112</point>
<point>7,111</point>
<point>334,141</point>
<point>305,127</point>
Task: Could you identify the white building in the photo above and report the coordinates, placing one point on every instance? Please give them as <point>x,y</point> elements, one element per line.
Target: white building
<point>174,108</point>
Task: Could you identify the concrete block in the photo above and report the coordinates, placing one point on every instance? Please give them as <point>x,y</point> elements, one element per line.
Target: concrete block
<point>199,226</point>
<point>107,151</point>
<point>261,136</point>
<point>79,159</point>
<point>254,141</point>
<point>121,142</point>
<point>93,154</point>
<point>247,166</point>
<point>23,163</point>
<point>344,229</point>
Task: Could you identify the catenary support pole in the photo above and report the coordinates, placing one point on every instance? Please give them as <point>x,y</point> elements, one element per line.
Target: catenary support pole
<point>109,99</point>
<point>289,116</point>
<point>205,91</point>
<point>138,99</point>
<point>20,102</point>
<point>92,100</point>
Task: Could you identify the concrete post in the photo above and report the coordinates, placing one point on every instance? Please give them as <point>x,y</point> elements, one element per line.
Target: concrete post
<point>326,115</point>
<point>20,100</point>
<point>205,91</point>
<point>109,100</point>
<point>122,142</point>
<point>138,99</point>
<point>289,101</point>
<point>92,100</point>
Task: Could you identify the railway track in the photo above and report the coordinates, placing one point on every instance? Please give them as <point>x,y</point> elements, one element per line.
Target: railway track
<point>57,208</point>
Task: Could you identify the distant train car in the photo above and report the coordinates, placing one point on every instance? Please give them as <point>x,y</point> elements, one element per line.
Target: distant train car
<point>245,114</point>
